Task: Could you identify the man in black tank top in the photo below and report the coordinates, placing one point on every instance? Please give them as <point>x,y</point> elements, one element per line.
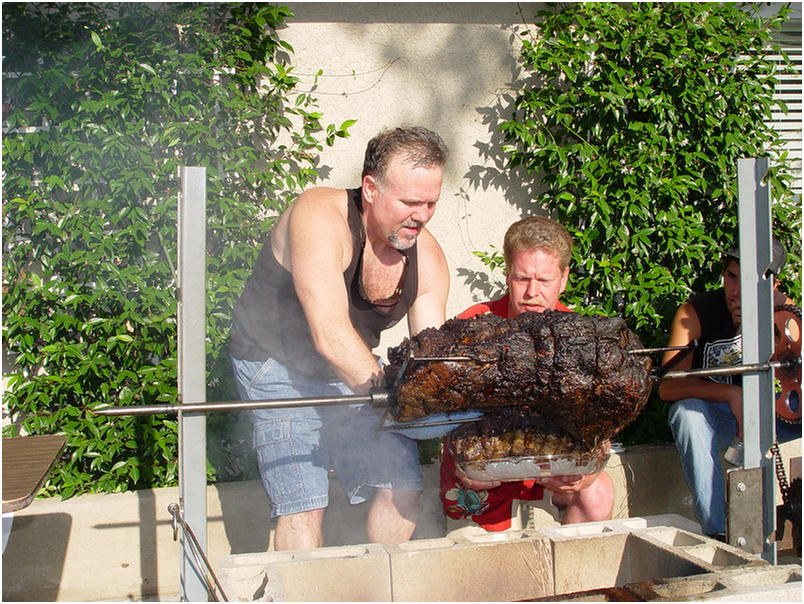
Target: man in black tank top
<point>339,267</point>
<point>706,415</point>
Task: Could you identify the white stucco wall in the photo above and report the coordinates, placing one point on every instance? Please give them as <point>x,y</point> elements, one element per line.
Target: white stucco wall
<point>446,66</point>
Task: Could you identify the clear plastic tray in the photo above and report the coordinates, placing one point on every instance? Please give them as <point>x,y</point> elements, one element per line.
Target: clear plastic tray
<point>526,468</point>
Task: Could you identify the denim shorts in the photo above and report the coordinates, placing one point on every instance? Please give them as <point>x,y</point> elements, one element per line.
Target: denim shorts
<point>296,447</point>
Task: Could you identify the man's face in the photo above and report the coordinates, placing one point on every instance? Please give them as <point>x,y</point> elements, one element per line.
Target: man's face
<point>535,281</point>
<point>731,284</point>
<point>402,203</point>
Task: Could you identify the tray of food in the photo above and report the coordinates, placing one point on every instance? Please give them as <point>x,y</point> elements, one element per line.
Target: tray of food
<point>536,466</point>
<point>517,444</point>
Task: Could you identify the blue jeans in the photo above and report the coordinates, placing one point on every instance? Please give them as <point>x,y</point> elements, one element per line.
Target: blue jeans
<point>296,446</point>
<point>700,430</point>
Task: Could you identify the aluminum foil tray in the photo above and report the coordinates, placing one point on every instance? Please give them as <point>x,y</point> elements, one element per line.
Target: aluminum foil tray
<point>527,468</point>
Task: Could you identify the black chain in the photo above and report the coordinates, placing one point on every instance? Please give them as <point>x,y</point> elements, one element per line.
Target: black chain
<point>781,476</point>
<point>784,487</point>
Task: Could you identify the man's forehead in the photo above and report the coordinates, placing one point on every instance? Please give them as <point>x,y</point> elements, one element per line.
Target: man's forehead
<point>409,159</point>
<point>545,259</point>
<point>545,254</point>
<point>732,267</point>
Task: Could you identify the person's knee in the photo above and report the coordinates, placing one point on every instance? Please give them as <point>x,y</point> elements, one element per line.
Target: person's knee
<point>301,530</point>
<point>678,410</point>
<point>393,516</point>
<point>685,414</point>
<point>406,503</point>
<point>592,504</point>
<point>603,505</point>
<point>309,520</point>
<point>596,502</point>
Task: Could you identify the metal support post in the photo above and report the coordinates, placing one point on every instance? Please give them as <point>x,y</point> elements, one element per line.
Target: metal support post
<point>191,281</point>
<point>756,301</point>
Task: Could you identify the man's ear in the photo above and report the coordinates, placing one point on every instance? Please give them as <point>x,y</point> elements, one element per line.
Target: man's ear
<point>564,279</point>
<point>370,188</point>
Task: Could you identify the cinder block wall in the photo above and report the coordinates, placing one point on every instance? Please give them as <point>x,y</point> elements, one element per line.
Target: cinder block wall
<point>109,547</point>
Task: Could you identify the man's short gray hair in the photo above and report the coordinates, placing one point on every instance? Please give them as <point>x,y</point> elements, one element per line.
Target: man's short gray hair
<point>421,148</point>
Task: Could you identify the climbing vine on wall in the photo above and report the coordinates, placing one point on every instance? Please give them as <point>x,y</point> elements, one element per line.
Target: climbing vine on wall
<point>101,104</point>
<point>631,125</point>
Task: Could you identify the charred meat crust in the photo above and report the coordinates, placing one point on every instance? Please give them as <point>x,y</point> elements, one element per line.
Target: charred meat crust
<point>509,432</point>
<point>572,370</point>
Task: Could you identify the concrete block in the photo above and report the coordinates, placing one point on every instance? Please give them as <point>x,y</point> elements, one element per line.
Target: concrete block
<point>332,574</point>
<point>611,559</point>
<point>493,567</point>
<point>620,525</point>
<point>636,556</point>
<point>758,584</point>
<point>710,554</point>
<point>586,563</point>
<point>245,577</point>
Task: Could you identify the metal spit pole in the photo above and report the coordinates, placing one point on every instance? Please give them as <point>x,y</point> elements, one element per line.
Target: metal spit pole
<point>279,403</point>
<point>746,368</point>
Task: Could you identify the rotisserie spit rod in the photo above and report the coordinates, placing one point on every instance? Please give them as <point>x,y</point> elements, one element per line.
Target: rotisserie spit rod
<point>790,363</point>
<point>377,397</point>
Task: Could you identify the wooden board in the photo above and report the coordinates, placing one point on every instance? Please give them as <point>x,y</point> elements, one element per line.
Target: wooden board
<point>27,461</point>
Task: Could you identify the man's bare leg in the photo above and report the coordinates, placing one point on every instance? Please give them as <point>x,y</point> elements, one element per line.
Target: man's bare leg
<point>393,515</point>
<point>303,530</point>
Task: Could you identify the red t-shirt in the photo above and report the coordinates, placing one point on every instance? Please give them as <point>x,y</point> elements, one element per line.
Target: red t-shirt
<point>489,508</point>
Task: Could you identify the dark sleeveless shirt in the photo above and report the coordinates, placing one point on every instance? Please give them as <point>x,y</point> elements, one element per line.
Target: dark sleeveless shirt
<point>269,322</point>
<point>720,344</point>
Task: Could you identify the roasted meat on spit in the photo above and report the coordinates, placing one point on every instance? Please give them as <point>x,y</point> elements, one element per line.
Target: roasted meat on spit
<point>572,370</point>
<point>514,443</point>
<point>509,432</point>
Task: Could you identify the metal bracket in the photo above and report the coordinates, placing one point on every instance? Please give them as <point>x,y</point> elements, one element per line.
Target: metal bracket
<point>744,501</point>
<point>204,570</point>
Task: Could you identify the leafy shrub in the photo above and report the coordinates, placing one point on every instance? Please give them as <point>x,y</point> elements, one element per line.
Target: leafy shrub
<point>631,125</point>
<point>101,104</point>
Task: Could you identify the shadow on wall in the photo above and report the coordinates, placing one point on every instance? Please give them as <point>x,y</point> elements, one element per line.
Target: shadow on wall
<point>245,498</point>
<point>26,549</point>
<point>402,51</point>
<point>493,170</point>
<point>481,285</point>
<point>640,470</point>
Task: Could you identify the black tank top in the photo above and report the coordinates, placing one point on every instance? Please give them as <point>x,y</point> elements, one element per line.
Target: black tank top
<point>269,322</point>
<point>720,344</point>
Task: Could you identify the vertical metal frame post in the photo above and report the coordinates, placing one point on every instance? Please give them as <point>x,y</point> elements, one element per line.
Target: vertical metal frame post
<point>756,301</point>
<point>191,314</point>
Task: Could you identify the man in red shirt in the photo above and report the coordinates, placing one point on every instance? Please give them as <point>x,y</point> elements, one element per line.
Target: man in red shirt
<point>537,252</point>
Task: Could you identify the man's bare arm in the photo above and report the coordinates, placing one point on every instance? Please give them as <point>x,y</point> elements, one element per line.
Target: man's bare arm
<point>320,249</point>
<point>429,307</point>
<point>686,328</point>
